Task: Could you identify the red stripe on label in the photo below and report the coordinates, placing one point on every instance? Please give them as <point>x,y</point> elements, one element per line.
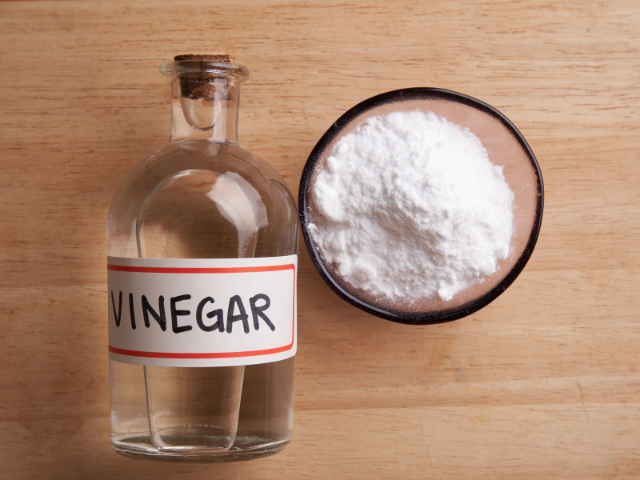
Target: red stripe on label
<point>254,353</point>
<point>121,268</point>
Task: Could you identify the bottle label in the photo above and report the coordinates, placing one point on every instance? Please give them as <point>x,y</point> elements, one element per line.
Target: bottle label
<point>202,312</point>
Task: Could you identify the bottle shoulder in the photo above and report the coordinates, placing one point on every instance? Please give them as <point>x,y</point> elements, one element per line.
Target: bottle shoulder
<point>224,159</point>
<point>261,185</point>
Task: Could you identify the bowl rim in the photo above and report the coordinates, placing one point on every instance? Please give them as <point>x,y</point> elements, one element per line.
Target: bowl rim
<point>415,318</point>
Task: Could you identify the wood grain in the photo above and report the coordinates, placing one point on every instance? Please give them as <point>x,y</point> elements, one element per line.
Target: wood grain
<point>542,383</point>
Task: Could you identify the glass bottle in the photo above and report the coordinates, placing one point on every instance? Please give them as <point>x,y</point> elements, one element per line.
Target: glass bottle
<point>201,196</point>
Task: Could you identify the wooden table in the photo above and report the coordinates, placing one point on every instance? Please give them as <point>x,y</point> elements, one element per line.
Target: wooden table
<point>542,383</point>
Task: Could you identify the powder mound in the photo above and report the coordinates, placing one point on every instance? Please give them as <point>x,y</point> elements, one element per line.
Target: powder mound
<point>411,207</point>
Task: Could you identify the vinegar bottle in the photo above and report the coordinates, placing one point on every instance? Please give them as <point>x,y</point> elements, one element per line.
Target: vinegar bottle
<point>202,243</point>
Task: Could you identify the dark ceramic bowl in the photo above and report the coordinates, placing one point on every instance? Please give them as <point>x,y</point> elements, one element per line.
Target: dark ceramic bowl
<point>506,147</point>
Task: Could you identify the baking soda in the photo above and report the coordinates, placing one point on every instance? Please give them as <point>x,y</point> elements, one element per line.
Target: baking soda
<point>411,207</point>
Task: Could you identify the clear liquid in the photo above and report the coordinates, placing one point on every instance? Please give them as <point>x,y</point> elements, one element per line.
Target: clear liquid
<point>197,199</point>
<point>264,422</point>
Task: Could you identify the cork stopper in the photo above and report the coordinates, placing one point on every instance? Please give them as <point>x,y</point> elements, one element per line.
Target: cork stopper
<point>200,82</point>
<point>208,58</point>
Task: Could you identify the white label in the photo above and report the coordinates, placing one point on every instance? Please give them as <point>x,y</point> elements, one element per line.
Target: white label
<point>202,312</point>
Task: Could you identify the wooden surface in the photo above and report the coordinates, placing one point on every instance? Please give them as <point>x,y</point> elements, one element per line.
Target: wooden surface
<point>542,383</point>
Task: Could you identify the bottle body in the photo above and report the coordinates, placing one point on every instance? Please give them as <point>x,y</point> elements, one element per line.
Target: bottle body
<point>201,198</point>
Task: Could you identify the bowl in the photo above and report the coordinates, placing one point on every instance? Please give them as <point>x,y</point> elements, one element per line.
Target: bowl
<point>505,146</point>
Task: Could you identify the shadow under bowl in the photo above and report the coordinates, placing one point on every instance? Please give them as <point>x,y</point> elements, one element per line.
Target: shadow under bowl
<point>505,146</point>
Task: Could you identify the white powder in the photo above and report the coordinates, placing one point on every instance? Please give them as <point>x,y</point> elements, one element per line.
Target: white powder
<point>410,206</point>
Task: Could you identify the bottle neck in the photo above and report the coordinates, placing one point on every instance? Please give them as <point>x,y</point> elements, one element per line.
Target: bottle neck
<point>205,107</point>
